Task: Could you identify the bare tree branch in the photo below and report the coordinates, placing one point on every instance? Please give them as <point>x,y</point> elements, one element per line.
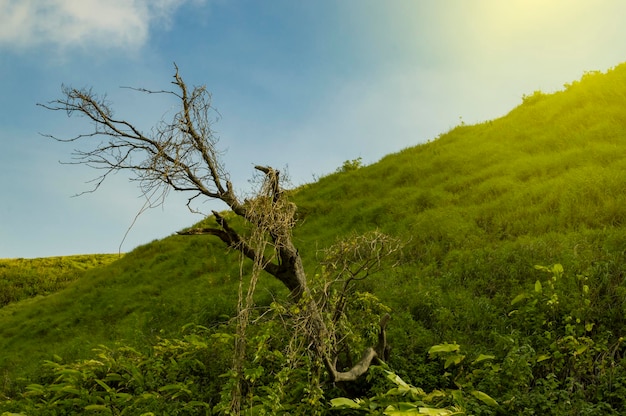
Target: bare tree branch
<point>182,154</point>
<point>369,355</point>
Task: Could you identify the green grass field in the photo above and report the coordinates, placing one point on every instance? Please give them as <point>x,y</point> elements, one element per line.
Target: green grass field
<point>477,208</point>
<point>26,278</point>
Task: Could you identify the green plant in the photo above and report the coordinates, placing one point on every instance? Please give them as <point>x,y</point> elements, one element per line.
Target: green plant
<point>175,376</point>
<point>350,165</point>
<point>399,400</point>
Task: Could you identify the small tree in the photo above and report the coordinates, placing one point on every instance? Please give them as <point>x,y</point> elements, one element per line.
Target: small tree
<point>182,155</point>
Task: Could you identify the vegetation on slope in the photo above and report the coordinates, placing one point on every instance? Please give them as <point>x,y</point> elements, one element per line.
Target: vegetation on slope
<point>478,208</point>
<point>151,291</point>
<point>25,278</point>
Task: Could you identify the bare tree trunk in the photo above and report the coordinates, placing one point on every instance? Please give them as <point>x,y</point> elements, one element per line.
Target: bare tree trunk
<point>289,269</point>
<point>182,155</point>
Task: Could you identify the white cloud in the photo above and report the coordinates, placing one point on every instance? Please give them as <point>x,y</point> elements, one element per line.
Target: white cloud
<point>82,23</point>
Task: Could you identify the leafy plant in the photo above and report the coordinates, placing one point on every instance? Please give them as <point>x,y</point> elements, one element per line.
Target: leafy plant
<point>350,165</point>
<point>402,399</point>
<point>173,377</point>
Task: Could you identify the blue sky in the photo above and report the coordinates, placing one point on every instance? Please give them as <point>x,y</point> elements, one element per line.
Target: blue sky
<point>300,85</point>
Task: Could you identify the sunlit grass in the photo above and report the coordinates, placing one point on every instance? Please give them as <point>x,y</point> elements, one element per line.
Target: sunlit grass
<point>24,278</point>
<point>477,208</point>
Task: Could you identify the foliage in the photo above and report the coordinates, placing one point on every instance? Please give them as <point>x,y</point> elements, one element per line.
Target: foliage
<point>350,165</point>
<point>192,374</point>
<point>278,371</point>
<point>554,361</point>
<point>567,351</point>
<point>477,208</point>
<point>174,378</point>
<point>26,278</point>
<point>132,301</point>
<point>402,399</point>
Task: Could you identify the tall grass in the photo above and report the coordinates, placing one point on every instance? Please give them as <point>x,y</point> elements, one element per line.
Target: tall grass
<point>25,278</point>
<point>477,207</point>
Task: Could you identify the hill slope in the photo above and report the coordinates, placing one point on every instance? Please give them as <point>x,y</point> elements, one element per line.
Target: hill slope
<point>478,207</point>
<point>544,184</point>
<point>24,278</point>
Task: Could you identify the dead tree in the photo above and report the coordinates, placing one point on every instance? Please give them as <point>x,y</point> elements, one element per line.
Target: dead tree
<point>182,155</point>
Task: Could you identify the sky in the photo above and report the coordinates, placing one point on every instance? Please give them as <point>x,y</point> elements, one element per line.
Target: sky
<point>300,85</point>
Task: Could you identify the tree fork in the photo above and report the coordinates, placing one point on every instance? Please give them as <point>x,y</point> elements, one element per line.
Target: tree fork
<point>182,155</point>
<point>378,352</point>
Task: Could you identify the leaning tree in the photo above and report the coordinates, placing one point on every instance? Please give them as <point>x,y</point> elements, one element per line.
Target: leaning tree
<point>181,154</point>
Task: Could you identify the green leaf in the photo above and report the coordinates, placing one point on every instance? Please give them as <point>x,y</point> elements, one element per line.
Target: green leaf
<point>483,357</point>
<point>343,403</point>
<point>453,359</point>
<point>66,389</point>
<point>393,411</point>
<point>252,374</point>
<point>397,380</point>
<point>580,350</point>
<point>435,394</point>
<point>518,298</point>
<point>196,403</point>
<point>485,398</point>
<point>401,409</point>
<point>538,287</point>
<point>172,387</point>
<point>104,385</point>
<point>70,372</point>
<point>113,377</point>
<point>543,357</point>
<point>443,348</point>
<point>435,412</point>
<point>124,396</point>
<point>407,407</point>
<point>98,407</point>
<point>137,376</point>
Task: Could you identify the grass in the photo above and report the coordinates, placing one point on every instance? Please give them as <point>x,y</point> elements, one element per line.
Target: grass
<point>478,207</point>
<point>25,278</point>
<point>150,292</point>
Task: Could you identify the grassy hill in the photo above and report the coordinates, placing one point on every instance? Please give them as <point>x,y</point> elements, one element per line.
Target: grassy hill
<point>25,278</point>
<point>478,207</point>
<point>481,205</point>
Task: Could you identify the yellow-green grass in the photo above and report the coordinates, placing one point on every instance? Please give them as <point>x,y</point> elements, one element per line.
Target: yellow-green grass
<point>477,208</point>
<point>25,278</point>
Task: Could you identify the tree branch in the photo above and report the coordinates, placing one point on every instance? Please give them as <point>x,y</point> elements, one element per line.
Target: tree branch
<point>181,154</point>
<point>232,239</point>
<point>364,364</point>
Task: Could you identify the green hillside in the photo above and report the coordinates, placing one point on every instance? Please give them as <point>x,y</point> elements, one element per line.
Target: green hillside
<point>477,208</point>
<point>25,278</point>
